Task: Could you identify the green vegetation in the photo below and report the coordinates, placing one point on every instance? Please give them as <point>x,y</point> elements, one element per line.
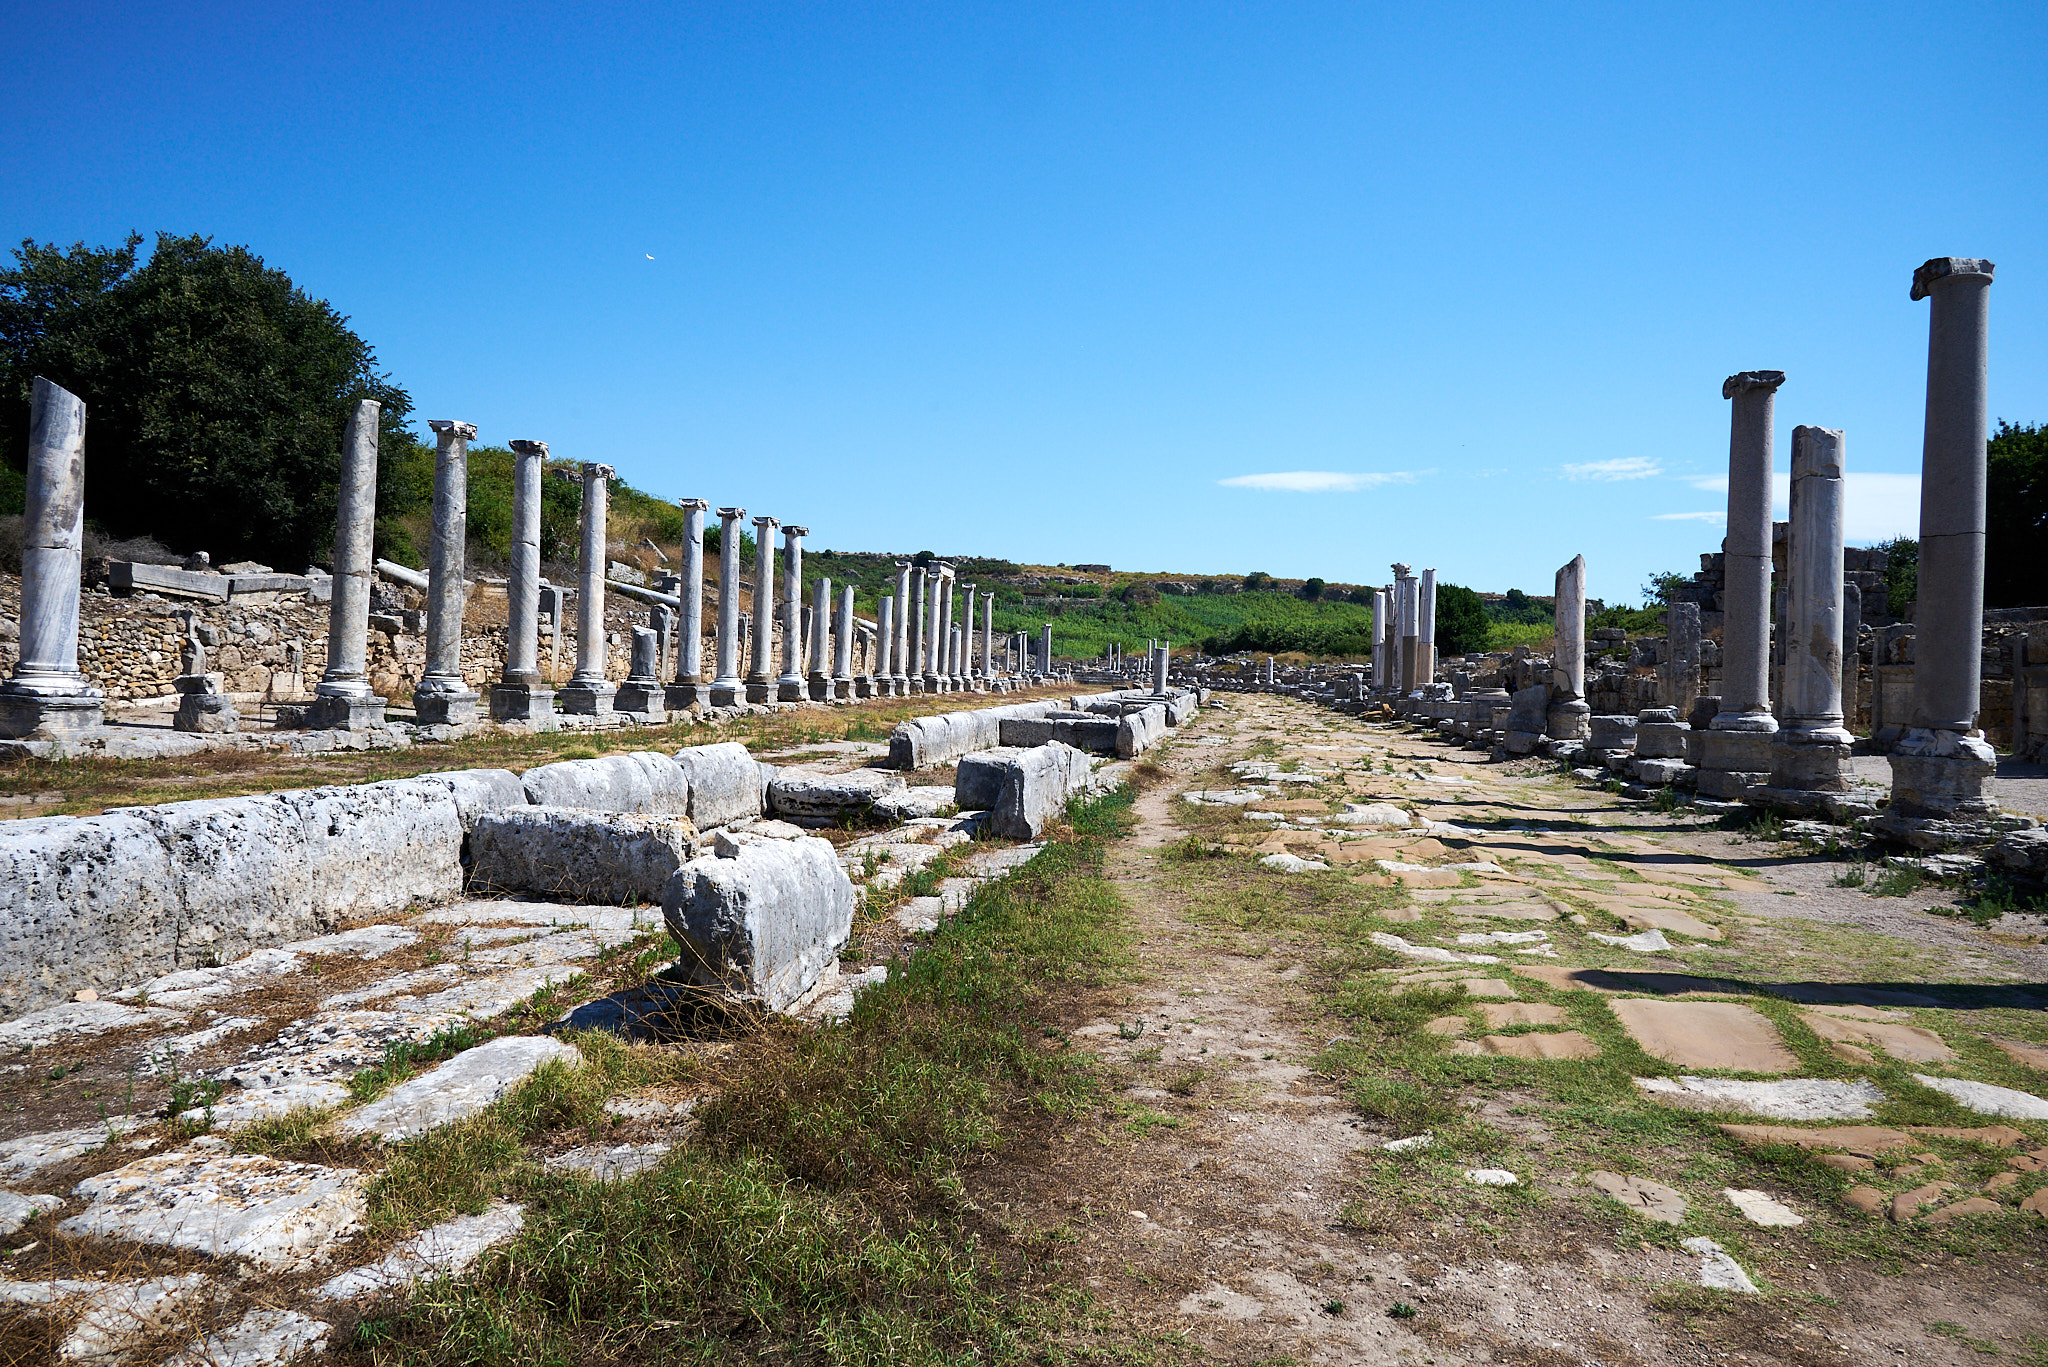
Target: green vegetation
<point>1461,625</point>
<point>1220,624</point>
<point>2016,522</point>
<point>1902,574</point>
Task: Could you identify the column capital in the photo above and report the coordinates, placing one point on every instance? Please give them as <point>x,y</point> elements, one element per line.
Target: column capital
<point>904,565</point>
<point>791,529</point>
<point>1948,267</point>
<point>766,523</point>
<point>595,471</point>
<point>450,427</point>
<point>732,514</point>
<point>693,505</point>
<point>529,448</point>
<point>1744,380</point>
<point>1816,451</point>
<point>1400,570</point>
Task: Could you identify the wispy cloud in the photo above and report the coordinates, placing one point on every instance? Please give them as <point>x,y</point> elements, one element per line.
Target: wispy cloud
<point>1877,505</point>
<point>1689,517</point>
<point>1621,467</point>
<point>1319,481</point>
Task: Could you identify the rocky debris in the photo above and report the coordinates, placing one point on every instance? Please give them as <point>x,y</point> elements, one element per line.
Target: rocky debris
<point>1651,1200</point>
<point>1290,863</point>
<point>238,1110</point>
<point>261,1338</point>
<point>17,1210</point>
<point>1431,953</point>
<point>836,1001</point>
<point>1647,942</point>
<point>74,1020</point>
<point>31,1153</point>
<point>1492,1177</point>
<point>920,802</point>
<point>457,1089</point>
<point>1760,1209</point>
<point>608,1162</point>
<point>580,854</point>
<point>1021,789</point>
<point>279,1215</point>
<point>1987,1099</point>
<point>110,1316</point>
<point>1790,1099</point>
<point>1410,1144</point>
<point>763,922</point>
<point>1718,1271</point>
<point>640,782</point>
<point>445,1250</point>
<point>809,798</point>
<point>331,1045</point>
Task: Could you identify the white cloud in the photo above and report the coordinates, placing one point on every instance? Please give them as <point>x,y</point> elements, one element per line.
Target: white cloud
<point>1622,467</point>
<point>1318,481</point>
<point>1690,517</point>
<point>1880,504</point>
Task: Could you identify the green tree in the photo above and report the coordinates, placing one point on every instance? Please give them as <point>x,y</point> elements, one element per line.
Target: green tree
<point>1312,589</point>
<point>2016,522</point>
<point>216,391</point>
<point>1258,580</point>
<point>1901,574</point>
<point>1461,624</point>
<point>1663,586</point>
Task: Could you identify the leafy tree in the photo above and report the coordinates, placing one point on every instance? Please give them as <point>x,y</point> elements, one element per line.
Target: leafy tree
<point>1257,580</point>
<point>2016,527</point>
<point>216,391</point>
<point>1901,574</point>
<point>1663,586</point>
<point>1365,596</point>
<point>1461,624</point>
<point>1312,589</point>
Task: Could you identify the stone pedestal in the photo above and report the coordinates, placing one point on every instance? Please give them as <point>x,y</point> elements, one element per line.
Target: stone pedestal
<point>687,697</point>
<point>1733,762</point>
<point>345,712</point>
<point>644,700</point>
<point>203,706</point>
<point>1569,720</point>
<point>586,697</point>
<point>524,703</point>
<point>445,708</point>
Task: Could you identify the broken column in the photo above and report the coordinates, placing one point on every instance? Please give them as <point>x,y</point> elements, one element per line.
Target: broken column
<point>641,696</point>
<point>1045,647</point>
<point>1682,647</point>
<point>1425,628</point>
<point>690,689</point>
<point>817,682</point>
<point>1379,639</point>
<point>1811,746</point>
<point>1735,752</point>
<point>789,685</point>
<point>1939,765</point>
<point>47,697</point>
<point>728,688</point>
<point>203,703</point>
<point>760,661</point>
<point>1567,716</point>
<point>1162,661</point>
<point>521,694</point>
<point>588,692</point>
<point>443,695</point>
<point>342,700</point>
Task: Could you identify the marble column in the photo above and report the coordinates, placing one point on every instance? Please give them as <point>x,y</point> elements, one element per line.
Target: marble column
<point>1568,714</point>
<point>842,645</point>
<point>952,670</point>
<point>1735,754</point>
<point>690,688</point>
<point>988,632</point>
<point>1162,661</point>
<point>789,685</point>
<point>1425,628</point>
<point>897,648</point>
<point>520,693</point>
<point>1045,646</point>
<point>342,700</point>
<point>967,672</point>
<point>761,658</point>
<point>1811,746</point>
<point>913,640</point>
<point>1851,646</point>
<point>1939,765</point>
<point>1379,639</point>
<point>641,696</point>
<point>47,697</point>
<point>1404,630</point>
<point>728,688</point>
<point>934,663</point>
<point>589,692</point>
<point>882,664</point>
<point>442,695</point>
<point>817,670</point>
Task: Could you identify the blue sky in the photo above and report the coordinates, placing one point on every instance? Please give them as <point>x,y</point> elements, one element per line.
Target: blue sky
<point>1298,288</point>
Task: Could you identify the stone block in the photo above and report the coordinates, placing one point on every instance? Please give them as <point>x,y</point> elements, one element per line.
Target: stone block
<point>1661,739</point>
<point>1656,770</point>
<point>639,782</point>
<point>807,798</point>
<point>84,902</point>
<point>456,1090</point>
<point>762,920</point>
<point>1139,731</point>
<point>1611,732</point>
<point>579,855</point>
<point>724,783</point>
<point>926,741</point>
<point>1729,785</point>
<point>206,714</point>
<point>477,791</point>
<point>1021,788</point>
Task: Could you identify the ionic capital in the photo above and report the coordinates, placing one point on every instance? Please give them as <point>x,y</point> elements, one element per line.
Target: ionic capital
<point>449,429</point>
<point>693,505</point>
<point>1949,267</point>
<point>1745,380</point>
<point>528,448</point>
<point>603,472</point>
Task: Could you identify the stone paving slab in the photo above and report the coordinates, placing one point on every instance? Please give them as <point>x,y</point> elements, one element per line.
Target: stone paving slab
<point>446,1249</point>
<point>1701,1034</point>
<point>457,1089</point>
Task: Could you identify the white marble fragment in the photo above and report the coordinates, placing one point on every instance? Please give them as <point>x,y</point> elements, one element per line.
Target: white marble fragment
<point>445,1250</point>
<point>279,1215</point>
<point>1650,941</point>
<point>1986,1099</point>
<point>457,1089</point>
<point>1408,1145</point>
<point>1788,1099</point>
<point>1431,953</point>
<point>1492,1177</point>
<point>261,1338</point>
<point>1760,1209</point>
<point>1293,863</point>
<point>240,1109</point>
<point>1717,1270</point>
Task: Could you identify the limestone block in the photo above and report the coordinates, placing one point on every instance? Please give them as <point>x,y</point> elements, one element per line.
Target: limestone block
<point>1661,739</point>
<point>477,791</point>
<point>923,800</point>
<point>458,1089</point>
<point>926,741</point>
<point>444,1250</point>
<point>724,784</point>
<point>1021,788</point>
<point>639,782</point>
<point>1611,732</point>
<point>83,903</point>
<point>610,858</point>
<point>808,798</point>
<point>764,922</point>
<point>1139,731</point>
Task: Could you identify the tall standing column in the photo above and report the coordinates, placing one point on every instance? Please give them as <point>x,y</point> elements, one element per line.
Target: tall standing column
<point>966,670</point>
<point>817,675</point>
<point>1404,629</point>
<point>952,666</point>
<point>934,663</point>
<point>589,692</point>
<point>1940,764</point>
<point>690,688</point>
<point>988,632</point>
<point>1425,627</point>
<point>882,660</point>
<point>913,641</point>
<point>1162,661</point>
<point>520,693</point>
<point>342,700</point>
<point>789,686</point>
<point>1735,755</point>
<point>1379,639</point>
<point>1811,745</point>
<point>442,695</point>
<point>842,645</point>
<point>898,648</point>
<point>47,698</point>
<point>1045,647</point>
<point>761,658</point>
<point>728,688</point>
<point>1568,717</point>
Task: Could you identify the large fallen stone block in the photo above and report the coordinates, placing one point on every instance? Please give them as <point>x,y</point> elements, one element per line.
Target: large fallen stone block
<point>725,784</point>
<point>458,1089</point>
<point>611,858</point>
<point>808,798</point>
<point>1021,788</point>
<point>926,741</point>
<point>477,791</point>
<point>642,781</point>
<point>1139,731</point>
<point>84,902</point>
<point>1089,731</point>
<point>761,920</point>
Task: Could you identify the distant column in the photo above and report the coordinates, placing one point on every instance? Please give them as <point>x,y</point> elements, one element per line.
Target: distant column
<point>520,693</point>
<point>934,662</point>
<point>47,698</point>
<point>842,645</point>
<point>1569,714</point>
<point>1045,647</point>
<point>789,686</point>
<point>342,700</point>
<point>1425,628</point>
<point>443,696</point>
<point>1162,661</point>
<point>760,660</point>
<point>882,665</point>
<point>1811,746</point>
<point>898,647</point>
<point>817,675</point>
<point>988,631</point>
<point>728,688</point>
<point>1735,755</point>
<point>1940,764</point>
<point>1379,639</point>
<point>1404,630</point>
<point>914,662</point>
<point>967,672</point>
<point>690,688</point>
<point>589,692</point>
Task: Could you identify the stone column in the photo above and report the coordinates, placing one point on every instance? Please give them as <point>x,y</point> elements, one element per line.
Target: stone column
<point>588,693</point>
<point>817,676</point>
<point>1736,753</point>
<point>690,688</point>
<point>898,647</point>
<point>789,686</point>
<point>882,664</point>
<point>520,693</point>
<point>913,629</point>
<point>342,699</point>
<point>1162,661</point>
<point>760,660</point>
<point>1811,745</point>
<point>1045,646</point>
<point>933,664</point>
<point>1404,630</point>
<point>988,632</point>
<point>1379,639</point>
<point>641,696</point>
<point>967,672</point>
<point>1425,628</point>
<point>1940,764</point>
<point>443,696</point>
<point>47,698</point>
<point>1566,718</point>
<point>952,670</point>
<point>1682,644</point>
<point>842,645</point>
<point>728,688</point>
<point>1852,643</point>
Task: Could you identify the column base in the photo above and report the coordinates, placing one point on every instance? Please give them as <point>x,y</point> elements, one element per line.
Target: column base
<point>206,714</point>
<point>1810,761</point>
<point>1747,752</point>
<point>840,689</point>
<point>727,694</point>
<point>863,687</point>
<point>1939,775</point>
<point>1730,785</point>
<point>585,698</point>
<point>1839,807</point>
<point>518,702</point>
<point>40,716</point>
<point>642,699</point>
<point>345,712</point>
<point>790,688</point>
<point>444,709</point>
<point>819,688</point>
<point>760,692</point>
<point>1568,721</point>
<point>687,697</point>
